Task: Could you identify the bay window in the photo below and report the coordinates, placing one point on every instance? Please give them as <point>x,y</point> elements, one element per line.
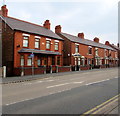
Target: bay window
<point>29,61</point>
<point>22,61</point>
<point>38,62</point>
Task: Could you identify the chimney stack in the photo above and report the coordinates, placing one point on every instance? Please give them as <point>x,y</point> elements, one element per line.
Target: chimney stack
<point>58,29</point>
<point>118,45</point>
<point>81,35</point>
<point>4,11</point>
<point>46,24</point>
<point>107,43</point>
<point>96,40</point>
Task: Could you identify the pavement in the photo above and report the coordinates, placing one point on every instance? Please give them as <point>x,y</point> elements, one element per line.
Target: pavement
<point>17,79</point>
<point>110,106</point>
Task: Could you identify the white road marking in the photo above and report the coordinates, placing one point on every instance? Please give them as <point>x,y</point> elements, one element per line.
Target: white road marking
<point>57,91</point>
<point>65,84</point>
<point>78,82</point>
<point>49,81</point>
<point>36,97</point>
<point>97,82</point>
<point>115,77</point>
<point>58,85</point>
<point>37,82</point>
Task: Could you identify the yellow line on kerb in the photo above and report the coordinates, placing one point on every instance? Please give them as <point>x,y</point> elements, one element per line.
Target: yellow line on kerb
<point>97,107</point>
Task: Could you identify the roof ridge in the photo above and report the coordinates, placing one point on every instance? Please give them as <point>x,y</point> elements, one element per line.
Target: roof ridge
<point>87,40</point>
<point>25,21</point>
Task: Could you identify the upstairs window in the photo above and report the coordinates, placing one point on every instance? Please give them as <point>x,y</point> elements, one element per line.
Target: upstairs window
<point>96,51</point>
<point>105,52</point>
<point>115,54</point>
<point>89,50</point>
<point>48,44</point>
<point>76,48</point>
<point>109,52</point>
<point>37,43</point>
<point>25,41</point>
<point>56,45</point>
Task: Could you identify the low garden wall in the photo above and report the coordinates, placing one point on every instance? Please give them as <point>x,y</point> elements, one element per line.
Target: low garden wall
<point>64,69</point>
<point>87,67</point>
<point>1,72</point>
<point>28,71</point>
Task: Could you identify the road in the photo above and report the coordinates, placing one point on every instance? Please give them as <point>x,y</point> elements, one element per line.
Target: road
<point>69,94</point>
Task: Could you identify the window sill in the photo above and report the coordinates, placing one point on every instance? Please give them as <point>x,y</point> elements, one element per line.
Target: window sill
<point>48,49</point>
<point>26,47</point>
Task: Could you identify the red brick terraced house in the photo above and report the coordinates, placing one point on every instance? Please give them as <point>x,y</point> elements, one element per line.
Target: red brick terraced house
<point>27,46</point>
<point>117,47</point>
<point>86,54</point>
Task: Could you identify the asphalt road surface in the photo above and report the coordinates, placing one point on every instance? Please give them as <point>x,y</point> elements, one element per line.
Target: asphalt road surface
<point>69,94</point>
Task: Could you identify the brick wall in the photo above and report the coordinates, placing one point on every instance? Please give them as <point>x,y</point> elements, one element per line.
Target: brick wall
<point>66,50</point>
<point>7,48</point>
<point>28,71</point>
<point>0,72</point>
<point>19,41</point>
<point>64,69</point>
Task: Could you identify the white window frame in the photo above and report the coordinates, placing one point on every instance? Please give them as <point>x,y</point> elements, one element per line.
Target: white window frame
<point>78,61</point>
<point>25,41</point>
<point>57,46</point>
<point>89,47</point>
<point>38,62</point>
<point>76,50</point>
<point>29,61</point>
<point>37,40</point>
<point>49,44</point>
<point>96,51</point>
<point>21,60</point>
<point>75,61</point>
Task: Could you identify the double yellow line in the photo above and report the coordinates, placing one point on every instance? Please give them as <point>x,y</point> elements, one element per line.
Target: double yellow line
<point>101,106</point>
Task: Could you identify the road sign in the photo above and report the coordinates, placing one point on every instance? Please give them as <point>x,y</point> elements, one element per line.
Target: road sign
<point>32,55</point>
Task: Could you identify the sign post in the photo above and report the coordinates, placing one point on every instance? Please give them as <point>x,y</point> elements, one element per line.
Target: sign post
<point>4,71</point>
<point>32,56</point>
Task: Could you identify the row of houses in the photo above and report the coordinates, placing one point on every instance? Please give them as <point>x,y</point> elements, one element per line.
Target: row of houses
<point>29,48</point>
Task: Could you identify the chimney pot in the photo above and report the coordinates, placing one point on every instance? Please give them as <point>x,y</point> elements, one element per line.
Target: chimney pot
<point>107,43</point>
<point>4,11</point>
<point>81,35</point>
<point>96,40</point>
<point>118,45</point>
<point>46,24</point>
<point>58,29</point>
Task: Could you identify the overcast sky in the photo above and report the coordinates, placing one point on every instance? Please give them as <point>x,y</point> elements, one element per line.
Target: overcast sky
<point>96,18</point>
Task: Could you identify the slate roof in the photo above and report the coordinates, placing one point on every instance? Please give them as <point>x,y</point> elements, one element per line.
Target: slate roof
<point>115,47</point>
<point>25,50</point>
<point>20,25</point>
<point>85,41</point>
